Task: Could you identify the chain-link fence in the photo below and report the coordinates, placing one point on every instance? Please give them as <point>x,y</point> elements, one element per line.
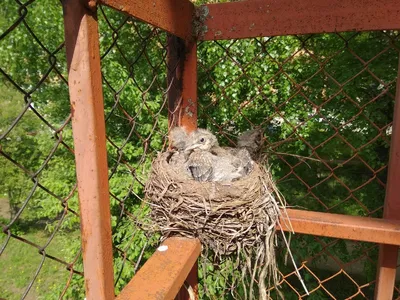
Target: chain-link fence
<point>40,244</point>
<point>40,214</point>
<point>325,104</point>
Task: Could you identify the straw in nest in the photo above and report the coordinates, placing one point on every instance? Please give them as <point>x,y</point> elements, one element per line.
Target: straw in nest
<point>234,219</point>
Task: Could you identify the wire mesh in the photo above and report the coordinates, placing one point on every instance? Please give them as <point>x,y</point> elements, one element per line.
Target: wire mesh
<point>36,145</point>
<point>40,244</point>
<point>134,73</point>
<point>325,103</point>
<point>134,68</point>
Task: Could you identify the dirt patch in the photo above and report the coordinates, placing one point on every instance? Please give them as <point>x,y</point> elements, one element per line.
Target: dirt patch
<point>5,209</point>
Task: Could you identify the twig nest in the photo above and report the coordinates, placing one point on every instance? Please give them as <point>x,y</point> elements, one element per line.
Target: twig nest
<point>223,215</point>
<point>236,217</point>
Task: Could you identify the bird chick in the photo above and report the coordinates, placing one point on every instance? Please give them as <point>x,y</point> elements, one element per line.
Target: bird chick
<point>178,138</point>
<point>201,139</point>
<point>205,166</point>
<point>252,140</point>
<point>209,162</point>
<point>200,165</point>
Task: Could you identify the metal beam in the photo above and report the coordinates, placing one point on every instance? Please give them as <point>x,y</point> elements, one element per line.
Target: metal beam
<point>182,82</point>
<point>164,273</point>
<point>173,16</point>
<point>387,266</point>
<point>343,226</point>
<point>86,97</point>
<point>256,18</point>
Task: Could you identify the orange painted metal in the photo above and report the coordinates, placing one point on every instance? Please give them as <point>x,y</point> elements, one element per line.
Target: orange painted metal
<point>188,116</point>
<point>175,63</point>
<point>386,274</point>
<point>164,273</point>
<point>85,88</point>
<point>191,281</point>
<point>182,82</point>
<point>257,18</point>
<point>343,226</point>
<point>173,16</point>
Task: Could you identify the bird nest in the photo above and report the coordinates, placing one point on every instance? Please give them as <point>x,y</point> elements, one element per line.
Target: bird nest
<point>233,219</point>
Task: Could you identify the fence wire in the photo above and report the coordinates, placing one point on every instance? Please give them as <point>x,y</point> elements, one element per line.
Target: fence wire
<point>325,103</point>
<point>134,69</point>
<point>39,208</point>
<point>38,186</point>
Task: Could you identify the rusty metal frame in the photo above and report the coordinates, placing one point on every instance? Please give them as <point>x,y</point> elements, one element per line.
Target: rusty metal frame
<point>182,79</point>
<point>173,16</point>
<point>222,21</point>
<point>388,254</point>
<point>167,270</point>
<point>247,19</point>
<point>86,97</point>
<point>355,228</point>
<point>182,107</point>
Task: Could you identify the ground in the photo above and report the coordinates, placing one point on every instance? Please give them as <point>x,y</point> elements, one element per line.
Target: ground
<point>19,262</point>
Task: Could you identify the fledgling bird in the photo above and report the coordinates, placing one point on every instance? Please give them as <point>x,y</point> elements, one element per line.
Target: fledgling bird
<point>209,162</point>
<point>252,140</point>
<point>178,138</point>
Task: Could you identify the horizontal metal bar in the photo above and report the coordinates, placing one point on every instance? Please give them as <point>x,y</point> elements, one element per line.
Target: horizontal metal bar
<point>173,16</point>
<point>364,229</point>
<point>164,273</point>
<point>257,18</point>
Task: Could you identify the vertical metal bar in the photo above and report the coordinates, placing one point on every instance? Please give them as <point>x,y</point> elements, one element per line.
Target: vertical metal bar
<point>182,76</point>
<point>86,96</point>
<point>189,88</point>
<point>386,273</point>
<point>175,60</point>
<point>191,282</point>
<point>182,107</point>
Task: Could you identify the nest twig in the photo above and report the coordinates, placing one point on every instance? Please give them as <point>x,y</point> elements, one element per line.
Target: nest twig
<point>233,219</point>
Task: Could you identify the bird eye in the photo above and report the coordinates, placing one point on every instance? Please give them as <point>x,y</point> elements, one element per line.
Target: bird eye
<point>202,140</point>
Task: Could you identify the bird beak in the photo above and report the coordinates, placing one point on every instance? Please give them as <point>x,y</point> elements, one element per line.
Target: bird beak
<point>193,147</point>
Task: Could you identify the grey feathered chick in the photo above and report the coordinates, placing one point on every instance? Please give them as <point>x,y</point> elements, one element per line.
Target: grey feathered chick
<point>201,139</point>
<point>252,140</point>
<point>178,138</point>
<point>209,162</point>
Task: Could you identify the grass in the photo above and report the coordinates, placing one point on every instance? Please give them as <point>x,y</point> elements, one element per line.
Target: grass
<point>20,261</point>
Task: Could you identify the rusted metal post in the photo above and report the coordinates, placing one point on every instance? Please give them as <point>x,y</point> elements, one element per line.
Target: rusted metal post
<point>191,282</point>
<point>182,79</point>
<point>86,96</point>
<point>388,254</point>
<point>163,274</point>
<point>182,107</point>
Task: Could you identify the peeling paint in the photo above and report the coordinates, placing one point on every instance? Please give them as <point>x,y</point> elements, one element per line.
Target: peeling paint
<point>199,19</point>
